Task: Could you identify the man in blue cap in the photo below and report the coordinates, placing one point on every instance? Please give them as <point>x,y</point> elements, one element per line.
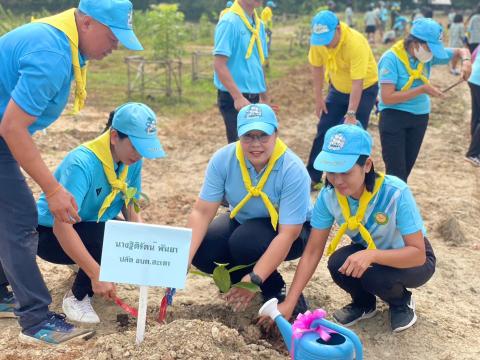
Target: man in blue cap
<point>343,56</point>
<point>405,91</point>
<point>38,63</point>
<point>240,51</point>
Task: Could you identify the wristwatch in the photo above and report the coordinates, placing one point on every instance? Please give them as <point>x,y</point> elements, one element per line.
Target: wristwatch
<point>350,114</point>
<point>255,279</point>
<point>466,59</point>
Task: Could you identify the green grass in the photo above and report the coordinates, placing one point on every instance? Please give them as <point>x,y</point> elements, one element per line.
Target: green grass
<point>107,79</point>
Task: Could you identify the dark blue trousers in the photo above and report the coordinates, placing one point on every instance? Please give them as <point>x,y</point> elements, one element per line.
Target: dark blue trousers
<point>337,106</point>
<point>19,241</point>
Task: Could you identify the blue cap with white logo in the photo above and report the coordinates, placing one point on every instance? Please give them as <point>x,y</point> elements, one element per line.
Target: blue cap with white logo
<point>429,30</point>
<point>139,122</point>
<point>342,147</point>
<point>229,4</point>
<point>324,25</point>
<point>117,15</point>
<point>256,117</point>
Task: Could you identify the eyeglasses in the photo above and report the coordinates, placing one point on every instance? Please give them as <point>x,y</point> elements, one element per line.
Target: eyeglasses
<point>249,138</point>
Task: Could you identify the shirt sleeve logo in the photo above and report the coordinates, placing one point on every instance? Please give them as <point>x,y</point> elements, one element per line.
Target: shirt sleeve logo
<point>381,218</point>
<point>98,191</point>
<point>337,142</point>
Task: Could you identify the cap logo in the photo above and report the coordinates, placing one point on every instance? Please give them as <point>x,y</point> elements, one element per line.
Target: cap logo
<point>253,112</point>
<point>151,126</point>
<point>130,19</point>
<point>320,29</point>
<point>337,142</point>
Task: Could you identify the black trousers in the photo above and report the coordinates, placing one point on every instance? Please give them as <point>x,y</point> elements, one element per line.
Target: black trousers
<point>228,241</point>
<point>49,249</point>
<point>337,106</point>
<point>401,135</point>
<point>388,283</point>
<point>474,149</point>
<point>229,113</point>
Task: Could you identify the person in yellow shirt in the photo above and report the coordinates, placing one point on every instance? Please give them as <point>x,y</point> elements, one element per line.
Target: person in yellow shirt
<point>343,57</point>
<point>227,9</point>
<point>267,18</point>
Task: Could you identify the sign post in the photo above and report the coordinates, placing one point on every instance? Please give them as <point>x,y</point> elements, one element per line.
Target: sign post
<point>145,255</point>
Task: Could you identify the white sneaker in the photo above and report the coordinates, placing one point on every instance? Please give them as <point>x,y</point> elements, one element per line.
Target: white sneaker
<point>79,310</point>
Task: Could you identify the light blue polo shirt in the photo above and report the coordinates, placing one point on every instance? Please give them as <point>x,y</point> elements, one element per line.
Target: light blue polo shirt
<point>475,75</point>
<point>81,173</point>
<point>390,214</point>
<point>392,71</point>
<point>231,40</point>
<point>288,187</point>
<point>36,72</point>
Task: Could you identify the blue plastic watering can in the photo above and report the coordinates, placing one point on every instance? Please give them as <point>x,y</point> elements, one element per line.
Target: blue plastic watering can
<point>344,344</point>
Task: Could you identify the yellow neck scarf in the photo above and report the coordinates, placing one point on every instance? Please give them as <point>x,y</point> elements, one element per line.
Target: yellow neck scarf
<point>101,148</point>
<point>354,222</point>
<point>399,50</point>
<point>256,191</point>
<point>331,65</point>
<point>237,9</point>
<point>65,22</point>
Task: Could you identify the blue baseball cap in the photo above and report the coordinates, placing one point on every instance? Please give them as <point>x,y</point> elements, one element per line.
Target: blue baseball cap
<point>256,117</point>
<point>342,147</point>
<point>271,4</point>
<point>117,15</point>
<point>324,25</point>
<point>429,30</point>
<point>229,4</point>
<point>139,122</point>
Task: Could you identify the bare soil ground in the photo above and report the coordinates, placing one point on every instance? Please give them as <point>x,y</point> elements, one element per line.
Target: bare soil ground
<point>200,326</point>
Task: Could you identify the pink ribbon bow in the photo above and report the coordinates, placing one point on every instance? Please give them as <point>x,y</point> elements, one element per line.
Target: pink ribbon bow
<point>303,324</point>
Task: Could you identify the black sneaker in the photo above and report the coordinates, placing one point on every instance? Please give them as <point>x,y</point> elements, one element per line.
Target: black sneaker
<point>301,307</point>
<point>352,313</point>
<point>403,316</point>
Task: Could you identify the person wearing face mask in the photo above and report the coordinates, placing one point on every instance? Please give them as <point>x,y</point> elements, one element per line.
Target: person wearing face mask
<point>389,251</point>
<point>405,92</point>
<point>38,63</point>
<point>104,177</point>
<point>267,188</point>
<point>342,57</point>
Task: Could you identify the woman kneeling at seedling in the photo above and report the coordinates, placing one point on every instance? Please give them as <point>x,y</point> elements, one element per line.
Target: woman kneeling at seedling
<point>268,191</point>
<point>389,251</point>
<point>104,176</point>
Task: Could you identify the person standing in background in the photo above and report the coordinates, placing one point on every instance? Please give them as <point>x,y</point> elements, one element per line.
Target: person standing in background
<point>342,56</point>
<point>240,50</point>
<point>473,29</point>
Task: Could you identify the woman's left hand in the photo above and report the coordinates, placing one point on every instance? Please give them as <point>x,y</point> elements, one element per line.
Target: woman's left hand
<point>238,298</point>
<point>357,263</point>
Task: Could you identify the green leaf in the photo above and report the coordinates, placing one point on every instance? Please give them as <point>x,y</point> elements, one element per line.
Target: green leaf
<point>130,193</point>
<point>247,286</point>
<point>198,272</point>
<point>136,207</point>
<point>240,267</point>
<point>221,277</point>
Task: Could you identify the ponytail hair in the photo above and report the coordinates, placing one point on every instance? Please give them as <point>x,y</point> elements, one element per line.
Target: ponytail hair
<point>108,126</point>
